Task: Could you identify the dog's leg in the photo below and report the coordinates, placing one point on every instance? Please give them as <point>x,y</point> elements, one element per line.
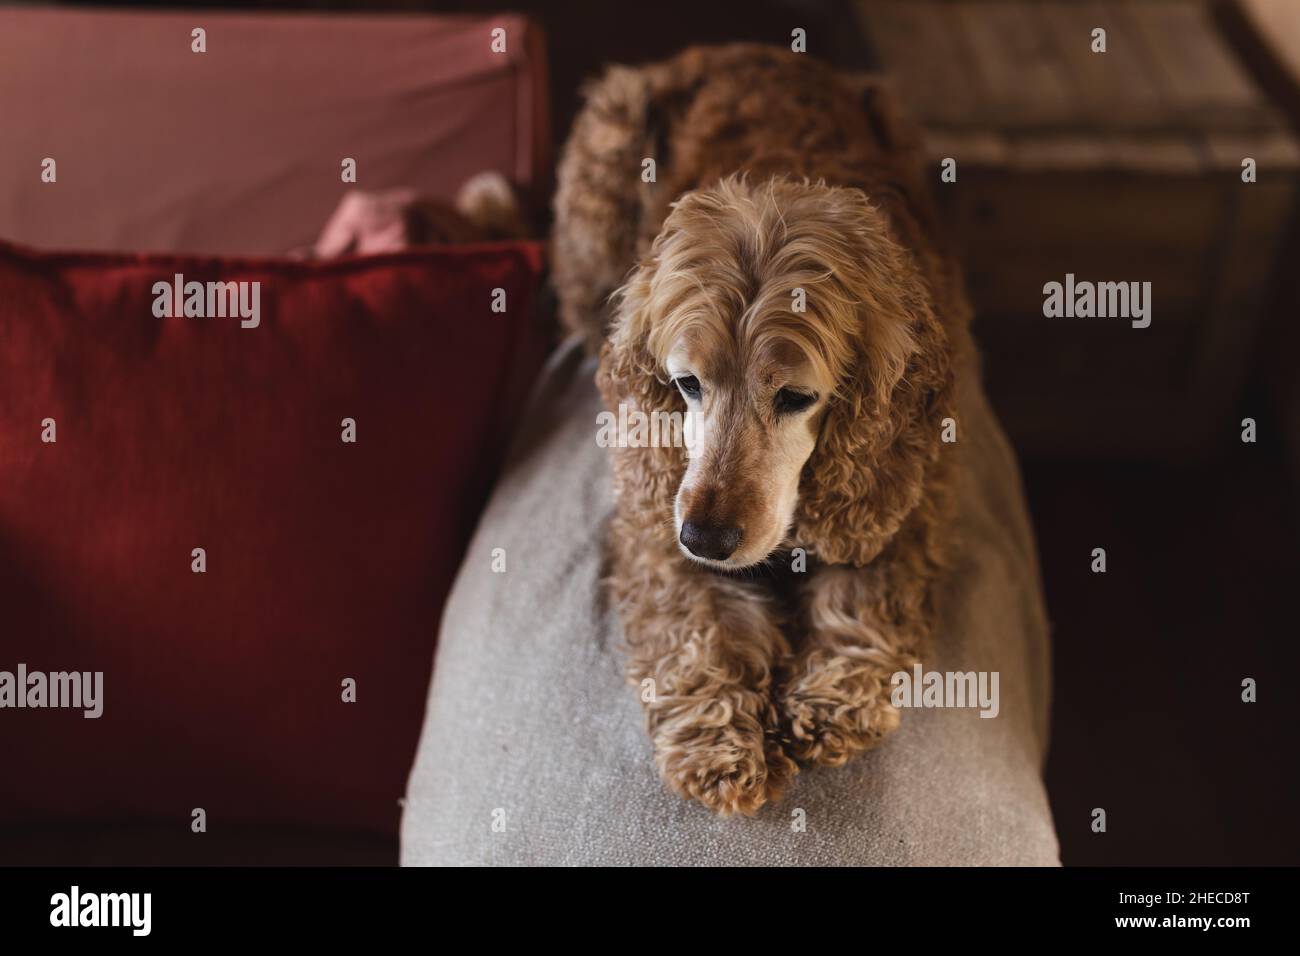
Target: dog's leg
<point>835,693</point>
<point>702,653</point>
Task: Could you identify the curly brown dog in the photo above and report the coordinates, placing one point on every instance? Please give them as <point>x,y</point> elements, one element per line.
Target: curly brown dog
<point>788,291</point>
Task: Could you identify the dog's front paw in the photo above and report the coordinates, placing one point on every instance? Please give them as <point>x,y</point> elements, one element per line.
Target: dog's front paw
<point>724,754</point>
<point>829,718</point>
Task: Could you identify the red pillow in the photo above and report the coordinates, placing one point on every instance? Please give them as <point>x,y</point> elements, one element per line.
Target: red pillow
<point>325,560</point>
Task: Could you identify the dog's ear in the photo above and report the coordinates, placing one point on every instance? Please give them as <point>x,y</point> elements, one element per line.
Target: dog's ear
<point>628,372</point>
<point>882,429</point>
<point>629,375</point>
<point>604,210</point>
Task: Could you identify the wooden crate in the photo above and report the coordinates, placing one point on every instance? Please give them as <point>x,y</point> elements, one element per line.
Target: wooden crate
<point>1115,166</point>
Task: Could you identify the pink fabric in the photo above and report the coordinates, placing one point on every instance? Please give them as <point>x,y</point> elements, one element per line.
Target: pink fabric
<point>367,223</point>
<point>238,150</point>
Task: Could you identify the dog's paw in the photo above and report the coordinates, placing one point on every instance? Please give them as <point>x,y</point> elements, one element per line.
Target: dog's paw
<point>825,728</point>
<point>731,767</point>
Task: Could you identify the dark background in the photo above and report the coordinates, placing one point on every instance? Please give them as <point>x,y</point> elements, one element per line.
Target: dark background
<point>1203,546</point>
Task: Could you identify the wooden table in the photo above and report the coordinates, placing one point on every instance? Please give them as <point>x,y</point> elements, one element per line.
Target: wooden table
<point>1117,166</point>
<point>1267,34</point>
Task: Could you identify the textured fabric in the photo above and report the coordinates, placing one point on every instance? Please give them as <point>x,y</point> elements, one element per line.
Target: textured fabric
<point>323,559</point>
<point>530,724</point>
<point>238,150</point>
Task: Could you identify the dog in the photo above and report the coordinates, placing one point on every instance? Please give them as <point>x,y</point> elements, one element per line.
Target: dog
<point>745,237</point>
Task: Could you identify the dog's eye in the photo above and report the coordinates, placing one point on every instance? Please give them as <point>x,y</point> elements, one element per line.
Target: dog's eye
<point>788,401</point>
<point>689,384</point>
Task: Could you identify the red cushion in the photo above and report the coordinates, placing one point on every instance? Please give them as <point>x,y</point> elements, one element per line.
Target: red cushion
<point>325,560</point>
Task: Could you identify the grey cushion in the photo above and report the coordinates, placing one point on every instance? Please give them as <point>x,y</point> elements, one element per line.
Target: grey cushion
<point>533,750</point>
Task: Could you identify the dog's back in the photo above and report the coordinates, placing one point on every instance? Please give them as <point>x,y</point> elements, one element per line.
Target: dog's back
<point>649,134</point>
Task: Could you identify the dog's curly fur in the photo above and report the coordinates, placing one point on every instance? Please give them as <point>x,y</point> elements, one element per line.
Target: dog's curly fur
<point>772,172</point>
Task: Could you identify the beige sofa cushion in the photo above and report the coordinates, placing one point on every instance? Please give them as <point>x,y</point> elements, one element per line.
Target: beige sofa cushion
<point>531,727</point>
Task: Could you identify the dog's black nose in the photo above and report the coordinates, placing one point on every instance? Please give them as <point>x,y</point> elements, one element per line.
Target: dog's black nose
<point>717,542</point>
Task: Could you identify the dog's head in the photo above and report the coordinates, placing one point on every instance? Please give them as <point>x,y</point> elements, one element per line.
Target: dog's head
<point>800,338</point>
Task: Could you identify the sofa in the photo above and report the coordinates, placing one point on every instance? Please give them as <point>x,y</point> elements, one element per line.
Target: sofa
<point>222,685</point>
<point>490,724</point>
